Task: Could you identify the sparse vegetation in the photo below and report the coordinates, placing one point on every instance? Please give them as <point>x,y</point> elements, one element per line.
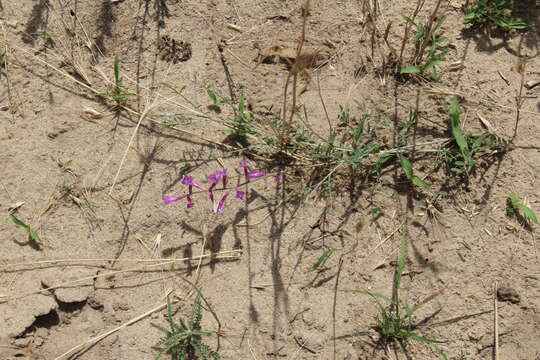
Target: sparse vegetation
<point>395,322</point>
<point>461,162</point>
<point>118,91</point>
<point>183,340</point>
<point>430,48</point>
<point>496,12</point>
<point>30,231</point>
<point>516,208</point>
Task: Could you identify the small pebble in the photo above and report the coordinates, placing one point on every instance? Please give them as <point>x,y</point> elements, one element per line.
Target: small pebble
<point>23,342</point>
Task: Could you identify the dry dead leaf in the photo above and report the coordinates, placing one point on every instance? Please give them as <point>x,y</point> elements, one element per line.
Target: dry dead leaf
<point>486,124</point>
<point>15,206</point>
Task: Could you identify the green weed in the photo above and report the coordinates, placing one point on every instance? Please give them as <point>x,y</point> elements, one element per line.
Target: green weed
<point>462,161</point>
<point>427,37</point>
<point>212,95</point>
<point>241,125</point>
<point>514,207</point>
<point>395,323</point>
<point>322,260</point>
<point>498,12</point>
<point>408,169</point>
<point>32,233</point>
<point>183,340</point>
<point>117,92</point>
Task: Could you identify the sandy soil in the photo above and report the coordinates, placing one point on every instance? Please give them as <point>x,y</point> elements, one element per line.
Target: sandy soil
<point>97,206</point>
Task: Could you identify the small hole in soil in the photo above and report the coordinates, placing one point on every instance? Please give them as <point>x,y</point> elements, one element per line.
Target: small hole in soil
<point>47,321</point>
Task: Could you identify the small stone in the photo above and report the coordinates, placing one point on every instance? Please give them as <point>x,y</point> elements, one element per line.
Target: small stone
<point>94,303</point>
<point>42,332</point>
<point>475,334</point>
<point>120,305</point>
<point>38,341</point>
<point>508,294</point>
<point>23,342</point>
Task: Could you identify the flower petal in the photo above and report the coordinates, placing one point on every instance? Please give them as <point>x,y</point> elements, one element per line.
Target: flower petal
<point>250,175</point>
<point>240,194</point>
<point>188,180</point>
<point>221,206</point>
<point>214,179</point>
<point>169,199</point>
<point>244,164</point>
<point>223,174</point>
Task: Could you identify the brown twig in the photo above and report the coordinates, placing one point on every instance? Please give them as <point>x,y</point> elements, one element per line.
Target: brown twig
<point>520,68</point>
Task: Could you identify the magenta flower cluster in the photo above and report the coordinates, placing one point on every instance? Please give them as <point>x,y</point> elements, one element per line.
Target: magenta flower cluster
<point>219,176</point>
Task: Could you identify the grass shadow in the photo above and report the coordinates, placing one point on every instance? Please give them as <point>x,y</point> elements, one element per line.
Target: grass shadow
<point>39,19</point>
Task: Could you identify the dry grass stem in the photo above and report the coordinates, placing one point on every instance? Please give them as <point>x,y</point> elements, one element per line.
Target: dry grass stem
<point>496,321</point>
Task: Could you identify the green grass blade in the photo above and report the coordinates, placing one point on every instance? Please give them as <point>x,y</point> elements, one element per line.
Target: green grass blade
<point>372,294</point>
<point>399,268</point>
<point>456,131</point>
<point>32,233</point>
<point>160,328</point>
<point>117,79</point>
<point>410,70</point>
<point>322,260</point>
<point>419,182</point>
<point>422,339</point>
<point>409,173</point>
<point>18,222</point>
<point>528,213</point>
<point>407,166</point>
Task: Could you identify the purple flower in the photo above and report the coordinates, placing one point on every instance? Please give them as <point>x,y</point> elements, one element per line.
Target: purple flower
<point>214,179</point>
<point>188,180</point>
<point>217,176</point>
<point>240,194</point>
<point>250,175</point>
<point>170,199</point>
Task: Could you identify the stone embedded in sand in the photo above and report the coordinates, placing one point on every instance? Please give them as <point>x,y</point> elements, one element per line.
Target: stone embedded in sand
<point>71,292</point>
<point>20,314</point>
